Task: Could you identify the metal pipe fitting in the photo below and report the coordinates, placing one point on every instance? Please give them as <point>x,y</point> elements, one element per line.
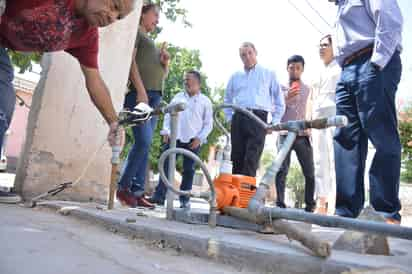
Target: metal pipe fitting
<point>257,203</point>
<point>295,126</point>
<point>341,222</point>
<point>246,112</point>
<point>187,153</point>
<point>173,107</point>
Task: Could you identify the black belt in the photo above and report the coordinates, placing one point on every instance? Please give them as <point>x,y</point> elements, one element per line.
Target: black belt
<point>358,54</point>
<point>258,111</point>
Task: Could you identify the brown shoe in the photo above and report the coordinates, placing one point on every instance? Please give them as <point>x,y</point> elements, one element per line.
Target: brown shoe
<point>141,201</point>
<point>126,198</point>
<point>391,221</point>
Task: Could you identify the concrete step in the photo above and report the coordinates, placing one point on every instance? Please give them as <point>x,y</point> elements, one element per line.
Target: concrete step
<point>267,253</point>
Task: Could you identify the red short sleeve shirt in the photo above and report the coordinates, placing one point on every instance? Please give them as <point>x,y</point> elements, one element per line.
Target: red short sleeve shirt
<point>49,25</point>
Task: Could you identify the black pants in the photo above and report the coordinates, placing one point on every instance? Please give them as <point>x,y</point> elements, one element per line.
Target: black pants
<point>248,140</point>
<point>304,153</point>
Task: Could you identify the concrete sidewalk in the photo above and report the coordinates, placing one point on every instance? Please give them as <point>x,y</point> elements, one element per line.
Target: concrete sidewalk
<point>42,242</point>
<point>266,253</point>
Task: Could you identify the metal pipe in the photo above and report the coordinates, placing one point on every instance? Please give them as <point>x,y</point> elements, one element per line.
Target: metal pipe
<point>203,167</point>
<point>220,125</point>
<point>172,163</point>
<point>170,108</point>
<point>334,121</point>
<point>228,147</point>
<point>257,206</point>
<point>320,247</point>
<point>246,112</point>
<point>115,160</point>
<point>257,203</point>
<point>341,222</point>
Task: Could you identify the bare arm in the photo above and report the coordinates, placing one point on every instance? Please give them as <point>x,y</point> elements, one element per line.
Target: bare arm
<point>164,58</point>
<point>99,94</point>
<point>100,97</point>
<point>137,80</point>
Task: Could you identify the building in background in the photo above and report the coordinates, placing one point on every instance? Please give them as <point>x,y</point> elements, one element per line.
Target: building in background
<point>17,130</point>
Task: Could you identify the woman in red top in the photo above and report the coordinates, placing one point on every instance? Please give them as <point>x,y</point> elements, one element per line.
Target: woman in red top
<point>54,25</point>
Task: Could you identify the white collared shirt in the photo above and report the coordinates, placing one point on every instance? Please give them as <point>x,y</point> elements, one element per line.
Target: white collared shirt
<point>324,88</point>
<point>196,121</point>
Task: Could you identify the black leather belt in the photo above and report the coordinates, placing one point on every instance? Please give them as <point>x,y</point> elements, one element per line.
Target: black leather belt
<point>258,111</point>
<point>356,55</point>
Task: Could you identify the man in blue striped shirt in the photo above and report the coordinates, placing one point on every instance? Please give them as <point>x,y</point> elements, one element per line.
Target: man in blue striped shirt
<point>257,89</point>
<point>368,44</point>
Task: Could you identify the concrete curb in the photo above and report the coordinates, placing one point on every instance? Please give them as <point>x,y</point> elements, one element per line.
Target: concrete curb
<point>225,245</point>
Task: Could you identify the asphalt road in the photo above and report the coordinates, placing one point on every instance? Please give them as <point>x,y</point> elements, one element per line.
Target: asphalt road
<point>35,241</point>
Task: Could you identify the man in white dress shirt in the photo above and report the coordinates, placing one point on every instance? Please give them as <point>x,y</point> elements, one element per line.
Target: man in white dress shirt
<point>323,105</point>
<point>195,124</point>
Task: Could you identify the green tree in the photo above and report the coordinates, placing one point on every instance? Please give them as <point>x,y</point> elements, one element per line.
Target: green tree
<point>267,159</point>
<point>405,130</point>
<point>296,182</point>
<point>172,11</point>
<point>24,60</point>
<point>183,60</point>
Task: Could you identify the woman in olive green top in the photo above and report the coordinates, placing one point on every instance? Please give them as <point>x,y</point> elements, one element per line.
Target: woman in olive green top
<point>147,73</point>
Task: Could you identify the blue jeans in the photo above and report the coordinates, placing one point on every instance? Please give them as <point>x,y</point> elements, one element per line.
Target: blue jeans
<point>133,175</point>
<point>366,96</point>
<point>7,94</point>
<point>187,176</point>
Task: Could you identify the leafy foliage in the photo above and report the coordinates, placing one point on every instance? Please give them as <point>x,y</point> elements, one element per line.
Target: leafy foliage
<point>172,11</point>
<point>182,60</point>
<point>24,60</point>
<point>405,130</point>
<point>296,182</point>
<point>267,159</point>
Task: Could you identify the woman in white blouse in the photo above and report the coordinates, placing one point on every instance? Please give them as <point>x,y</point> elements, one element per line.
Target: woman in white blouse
<point>323,105</point>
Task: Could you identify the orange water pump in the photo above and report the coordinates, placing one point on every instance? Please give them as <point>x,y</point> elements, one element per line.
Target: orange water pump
<point>234,190</point>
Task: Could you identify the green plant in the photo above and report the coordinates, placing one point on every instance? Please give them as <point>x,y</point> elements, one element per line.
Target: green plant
<point>296,182</point>
<point>24,60</point>
<point>405,130</point>
<point>182,60</point>
<point>267,158</point>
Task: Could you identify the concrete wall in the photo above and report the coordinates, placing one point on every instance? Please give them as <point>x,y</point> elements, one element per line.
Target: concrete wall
<point>65,129</point>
